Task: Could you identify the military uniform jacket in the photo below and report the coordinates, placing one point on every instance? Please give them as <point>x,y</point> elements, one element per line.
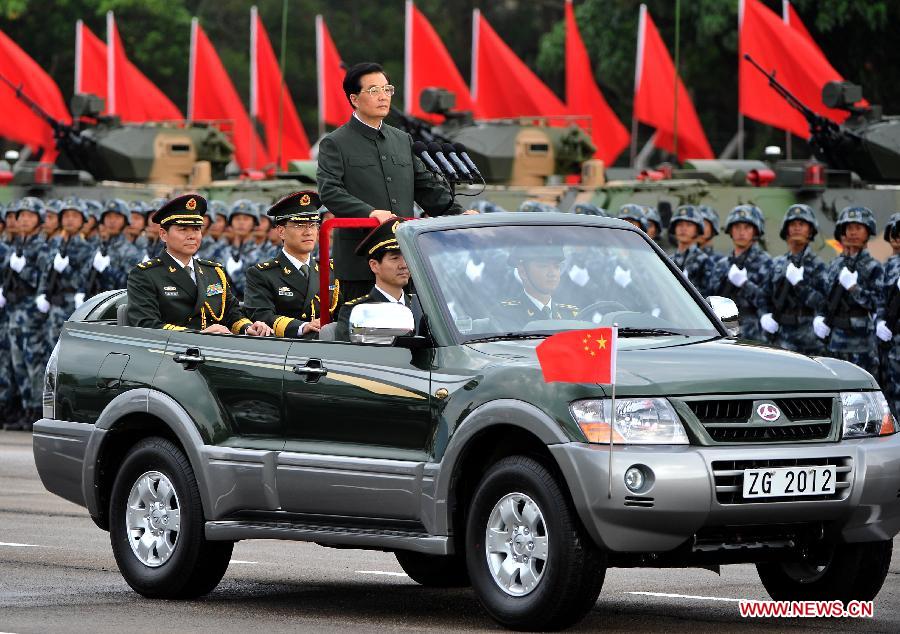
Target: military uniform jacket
<point>161,294</point>
<point>694,263</point>
<point>758,264</point>
<point>866,297</point>
<point>72,279</point>
<point>22,286</point>
<point>804,299</point>
<point>282,296</point>
<point>517,311</point>
<point>374,297</point>
<point>361,169</point>
<point>891,294</point>
<point>123,255</point>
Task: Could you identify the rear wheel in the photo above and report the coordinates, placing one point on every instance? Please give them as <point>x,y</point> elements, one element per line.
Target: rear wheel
<point>531,564</point>
<point>157,525</point>
<point>434,571</point>
<point>854,572</point>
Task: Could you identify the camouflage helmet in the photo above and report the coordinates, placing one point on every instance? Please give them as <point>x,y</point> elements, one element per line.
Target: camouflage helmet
<point>32,204</point>
<point>140,207</point>
<point>892,228</point>
<point>94,207</point>
<point>711,215</point>
<point>215,209</point>
<point>245,207</point>
<point>75,204</point>
<point>116,206</point>
<point>686,213</point>
<point>589,210</point>
<point>54,206</point>
<point>857,214</point>
<point>750,214</point>
<point>534,205</point>
<point>651,215</point>
<point>486,207</point>
<point>630,211</point>
<point>799,212</point>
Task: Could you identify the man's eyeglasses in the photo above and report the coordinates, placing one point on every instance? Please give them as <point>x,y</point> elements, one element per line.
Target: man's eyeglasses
<point>374,91</point>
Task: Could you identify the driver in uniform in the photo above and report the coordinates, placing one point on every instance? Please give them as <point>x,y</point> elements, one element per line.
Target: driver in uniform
<point>539,269</point>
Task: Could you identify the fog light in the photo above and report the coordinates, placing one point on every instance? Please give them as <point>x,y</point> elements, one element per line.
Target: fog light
<point>634,479</point>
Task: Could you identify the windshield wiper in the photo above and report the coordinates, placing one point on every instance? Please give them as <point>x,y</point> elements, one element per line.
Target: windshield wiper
<point>510,336</point>
<point>648,332</point>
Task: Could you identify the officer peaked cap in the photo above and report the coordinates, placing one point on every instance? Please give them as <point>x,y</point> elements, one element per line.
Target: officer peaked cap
<point>187,210</point>
<point>381,238</point>
<point>302,206</point>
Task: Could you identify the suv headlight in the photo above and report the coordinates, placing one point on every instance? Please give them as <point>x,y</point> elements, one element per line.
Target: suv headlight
<point>639,421</point>
<point>866,414</point>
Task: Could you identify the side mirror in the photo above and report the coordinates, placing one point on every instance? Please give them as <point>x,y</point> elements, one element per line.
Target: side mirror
<point>727,312</point>
<point>380,323</point>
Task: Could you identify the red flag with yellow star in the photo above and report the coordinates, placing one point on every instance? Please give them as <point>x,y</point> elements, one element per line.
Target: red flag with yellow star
<point>580,356</point>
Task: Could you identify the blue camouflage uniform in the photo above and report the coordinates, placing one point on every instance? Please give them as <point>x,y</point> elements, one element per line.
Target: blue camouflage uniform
<point>123,256</point>
<point>693,262</point>
<point>889,312</point>
<point>794,307</point>
<point>66,289</point>
<point>7,391</point>
<point>237,259</point>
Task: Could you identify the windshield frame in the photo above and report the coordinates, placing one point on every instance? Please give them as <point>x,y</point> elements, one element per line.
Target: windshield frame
<point>433,302</point>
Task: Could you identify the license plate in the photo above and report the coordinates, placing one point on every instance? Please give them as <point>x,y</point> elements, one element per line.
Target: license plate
<point>789,481</point>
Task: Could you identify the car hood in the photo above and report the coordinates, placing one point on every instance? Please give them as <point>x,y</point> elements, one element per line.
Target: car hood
<point>669,366</point>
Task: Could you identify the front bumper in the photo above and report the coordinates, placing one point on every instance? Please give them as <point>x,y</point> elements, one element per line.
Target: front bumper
<point>684,495</point>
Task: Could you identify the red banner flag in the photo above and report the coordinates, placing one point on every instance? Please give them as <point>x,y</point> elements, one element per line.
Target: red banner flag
<point>428,64</point>
<point>583,97</point>
<point>18,122</point>
<point>580,356</point>
<point>798,64</point>
<point>654,96</point>
<point>212,96</point>
<point>792,19</point>
<point>285,136</point>
<point>502,85</point>
<point>334,109</point>
<point>130,94</point>
<point>90,63</point>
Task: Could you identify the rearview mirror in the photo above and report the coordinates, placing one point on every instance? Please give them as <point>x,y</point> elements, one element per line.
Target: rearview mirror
<point>727,312</point>
<point>380,323</point>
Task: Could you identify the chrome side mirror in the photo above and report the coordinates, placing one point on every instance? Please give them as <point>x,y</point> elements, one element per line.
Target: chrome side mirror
<point>727,312</point>
<point>380,323</point>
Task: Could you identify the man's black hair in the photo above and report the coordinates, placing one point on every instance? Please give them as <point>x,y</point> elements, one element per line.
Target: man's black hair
<point>352,83</point>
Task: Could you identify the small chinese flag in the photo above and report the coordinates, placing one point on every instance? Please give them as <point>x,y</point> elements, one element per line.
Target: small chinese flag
<point>580,356</point>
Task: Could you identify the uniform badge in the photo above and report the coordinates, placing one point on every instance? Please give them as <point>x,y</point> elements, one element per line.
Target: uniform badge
<point>169,288</point>
<point>287,271</point>
<point>191,204</point>
<point>285,291</point>
<point>304,200</point>
<point>214,289</point>
<point>172,269</point>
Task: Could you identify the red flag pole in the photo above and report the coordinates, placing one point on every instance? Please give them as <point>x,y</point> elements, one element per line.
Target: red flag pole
<point>325,249</point>
<point>612,406</point>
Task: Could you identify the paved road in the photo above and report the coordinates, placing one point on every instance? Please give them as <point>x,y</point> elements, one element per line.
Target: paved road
<point>57,574</point>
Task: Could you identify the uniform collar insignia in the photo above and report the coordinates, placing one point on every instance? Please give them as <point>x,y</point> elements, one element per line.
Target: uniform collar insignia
<point>287,271</point>
<point>172,269</point>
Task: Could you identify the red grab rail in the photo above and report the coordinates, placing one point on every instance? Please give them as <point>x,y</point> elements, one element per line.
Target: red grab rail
<point>324,252</point>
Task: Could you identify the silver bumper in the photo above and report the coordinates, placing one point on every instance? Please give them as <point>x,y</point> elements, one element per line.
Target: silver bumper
<point>684,494</point>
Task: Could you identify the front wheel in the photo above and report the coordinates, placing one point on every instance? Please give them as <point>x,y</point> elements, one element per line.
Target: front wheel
<point>156,525</point>
<point>853,572</point>
<point>530,562</point>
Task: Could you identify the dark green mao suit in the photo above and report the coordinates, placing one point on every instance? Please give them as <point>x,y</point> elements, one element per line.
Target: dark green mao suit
<point>362,169</point>
<point>161,294</point>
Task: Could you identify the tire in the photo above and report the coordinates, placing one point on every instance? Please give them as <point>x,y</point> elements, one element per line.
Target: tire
<point>164,563</point>
<point>520,500</point>
<point>434,571</point>
<point>855,572</point>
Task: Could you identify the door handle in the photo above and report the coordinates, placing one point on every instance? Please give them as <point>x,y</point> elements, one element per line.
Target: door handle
<point>313,370</point>
<point>190,358</point>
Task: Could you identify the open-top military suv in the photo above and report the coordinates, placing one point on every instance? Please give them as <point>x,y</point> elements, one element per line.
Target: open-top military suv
<point>438,438</point>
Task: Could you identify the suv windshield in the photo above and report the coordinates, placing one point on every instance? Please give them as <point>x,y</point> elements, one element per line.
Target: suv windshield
<point>519,280</point>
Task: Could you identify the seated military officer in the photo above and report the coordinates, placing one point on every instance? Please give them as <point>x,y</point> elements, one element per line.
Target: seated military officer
<point>177,291</point>
<point>538,268</point>
<point>284,291</point>
<point>391,274</point>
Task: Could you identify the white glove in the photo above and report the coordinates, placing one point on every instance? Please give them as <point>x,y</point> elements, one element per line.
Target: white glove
<point>622,277</point>
<point>884,333</point>
<point>769,324</point>
<point>794,274</point>
<point>579,275</point>
<point>60,263</point>
<point>17,262</point>
<point>474,271</point>
<point>656,312</point>
<point>737,276</point>
<point>79,299</point>
<point>233,265</point>
<point>2,298</point>
<point>42,304</point>
<point>821,329</point>
<point>848,279</point>
<point>101,262</point>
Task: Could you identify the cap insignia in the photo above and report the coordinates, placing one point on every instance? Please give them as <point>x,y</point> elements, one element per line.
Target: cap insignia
<point>191,204</point>
<point>304,200</point>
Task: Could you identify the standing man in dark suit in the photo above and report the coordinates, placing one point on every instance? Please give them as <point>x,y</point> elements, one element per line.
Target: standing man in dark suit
<point>284,291</point>
<point>366,169</point>
<point>177,291</point>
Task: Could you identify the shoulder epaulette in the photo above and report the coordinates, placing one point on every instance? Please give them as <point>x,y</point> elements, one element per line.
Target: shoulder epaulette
<point>353,301</point>
<point>268,264</point>
<point>211,263</point>
<point>149,264</point>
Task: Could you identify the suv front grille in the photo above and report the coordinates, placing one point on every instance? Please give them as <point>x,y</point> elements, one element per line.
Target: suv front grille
<point>731,420</point>
<point>729,478</point>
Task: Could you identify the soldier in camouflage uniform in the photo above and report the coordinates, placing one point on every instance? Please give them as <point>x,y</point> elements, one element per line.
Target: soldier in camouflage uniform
<point>654,224</point>
<point>589,210</point>
<point>149,245</point>
<point>794,286</point>
<point>137,224</point>
<point>685,226</point>
<point>534,205</point>
<point>741,275</point>
<point>95,209</point>
<point>114,256</point>
<point>887,328</point>
<point>242,252</point>
<point>7,403</point>
<point>210,248</point>
<point>853,292</point>
<point>27,341</point>
<point>710,231</point>
<point>50,226</point>
<point>63,281</point>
